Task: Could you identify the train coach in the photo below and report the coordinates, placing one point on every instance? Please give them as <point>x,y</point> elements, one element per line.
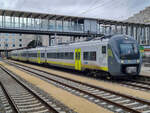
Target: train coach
<point>116,55</point>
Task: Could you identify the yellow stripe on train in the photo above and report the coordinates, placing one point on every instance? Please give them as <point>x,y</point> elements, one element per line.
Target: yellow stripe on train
<point>70,64</point>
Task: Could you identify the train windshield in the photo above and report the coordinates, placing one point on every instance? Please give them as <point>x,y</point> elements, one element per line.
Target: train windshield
<point>129,51</point>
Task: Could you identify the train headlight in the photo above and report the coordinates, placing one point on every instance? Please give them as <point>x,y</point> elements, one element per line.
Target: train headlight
<point>138,61</point>
<point>122,61</point>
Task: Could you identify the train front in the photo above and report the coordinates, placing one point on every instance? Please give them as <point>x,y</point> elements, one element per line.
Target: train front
<point>123,56</point>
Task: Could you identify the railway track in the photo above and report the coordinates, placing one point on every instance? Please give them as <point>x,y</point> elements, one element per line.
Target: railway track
<point>17,97</point>
<point>137,84</point>
<point>111,100</point>
<point>141,83</point>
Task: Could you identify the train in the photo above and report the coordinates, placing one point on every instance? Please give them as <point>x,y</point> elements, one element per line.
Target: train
<point>110,56</point>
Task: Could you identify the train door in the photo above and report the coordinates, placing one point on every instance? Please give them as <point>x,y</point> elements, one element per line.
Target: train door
<point>38,57</point>
<point>103,57</point>
<point>78,59</point>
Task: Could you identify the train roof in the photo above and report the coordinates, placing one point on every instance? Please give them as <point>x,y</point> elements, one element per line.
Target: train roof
<point>98,40</point>
<point>91,42</point>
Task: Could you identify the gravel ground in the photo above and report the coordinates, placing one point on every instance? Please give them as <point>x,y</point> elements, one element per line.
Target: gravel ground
<point>47,96</point>
<point>76,103</point>
<point>2,109</point>
<point>58,103</point>
<point>104,84</point>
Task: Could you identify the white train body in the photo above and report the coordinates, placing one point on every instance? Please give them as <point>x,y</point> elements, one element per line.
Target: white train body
<point>94,55</point>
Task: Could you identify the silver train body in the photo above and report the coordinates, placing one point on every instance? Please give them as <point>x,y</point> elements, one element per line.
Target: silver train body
<point>117,55</point>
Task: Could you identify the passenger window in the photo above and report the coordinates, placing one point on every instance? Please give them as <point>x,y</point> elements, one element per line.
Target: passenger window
<point>42,55</point>
<point>103,49</point>
<point>85,55</point>
<point>89,55</point>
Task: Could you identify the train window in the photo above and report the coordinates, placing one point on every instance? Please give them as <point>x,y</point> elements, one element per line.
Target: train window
<point>89,55</point>
<point>79,56</point>
<point>76,55</point>
<point>62,55</point>
<point>103,49</point>
<point>57,56</point>
<point>33,54</point>
<point>42,55</point>
<point>93,55</point>
<point>85,55</point>
<point>49,55</point>
<point>66,55</point>
<point>71,55</point>
<point>23,54</point>
<point>54,55</point>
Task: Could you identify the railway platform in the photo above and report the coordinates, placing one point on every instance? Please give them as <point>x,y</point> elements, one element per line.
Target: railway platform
<point>145,71</point>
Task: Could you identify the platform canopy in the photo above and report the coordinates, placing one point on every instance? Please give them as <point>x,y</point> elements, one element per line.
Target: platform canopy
<point>26,14</point>
<point>24,22</point>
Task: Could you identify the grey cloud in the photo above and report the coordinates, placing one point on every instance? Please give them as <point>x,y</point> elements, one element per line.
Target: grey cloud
<point>110,9</point>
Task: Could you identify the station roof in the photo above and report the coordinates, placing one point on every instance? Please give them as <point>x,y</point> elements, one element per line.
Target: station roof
<point>60,17</point>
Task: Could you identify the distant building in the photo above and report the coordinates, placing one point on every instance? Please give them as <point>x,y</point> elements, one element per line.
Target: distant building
<point>141,17</point>
<point>14,41</point>
<point>10,41</point>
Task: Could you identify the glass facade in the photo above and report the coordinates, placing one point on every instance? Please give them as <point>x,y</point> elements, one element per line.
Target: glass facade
<point>40,24</point>
<point>6,39</point>
<point>43,22</point>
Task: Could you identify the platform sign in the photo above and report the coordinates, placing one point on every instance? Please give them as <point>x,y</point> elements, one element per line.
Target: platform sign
<point>142,50</point>
<point>145,51</point>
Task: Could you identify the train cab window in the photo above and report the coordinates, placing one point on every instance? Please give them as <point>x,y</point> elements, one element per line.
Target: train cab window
<point>103,49</point>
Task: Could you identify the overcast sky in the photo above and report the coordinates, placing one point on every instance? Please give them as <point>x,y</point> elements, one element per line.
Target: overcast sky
<point>107,9</point>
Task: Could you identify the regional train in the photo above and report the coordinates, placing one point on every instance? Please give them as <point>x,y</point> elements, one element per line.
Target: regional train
<point>116,55</point>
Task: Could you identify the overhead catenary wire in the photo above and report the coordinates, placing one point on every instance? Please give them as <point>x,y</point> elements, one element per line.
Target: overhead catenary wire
<point>96,5</point>
<point>114,4</point>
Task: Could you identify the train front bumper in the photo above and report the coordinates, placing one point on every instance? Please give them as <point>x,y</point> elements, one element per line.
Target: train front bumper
<point>131,70</point>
